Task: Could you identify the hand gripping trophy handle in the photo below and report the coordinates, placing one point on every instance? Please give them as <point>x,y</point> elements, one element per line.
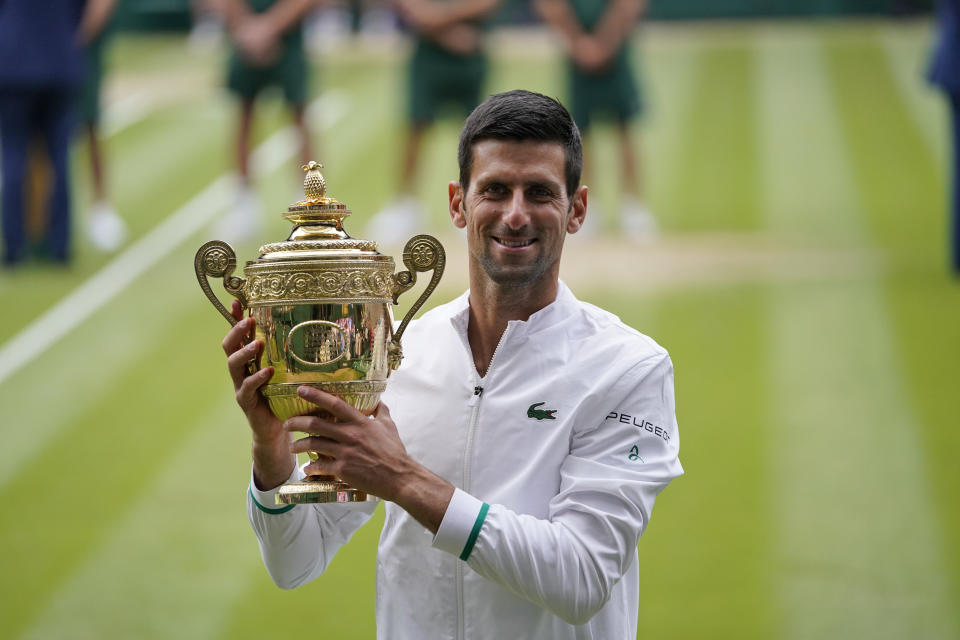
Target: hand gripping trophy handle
<point>422,253</point>
<point>216,258</point>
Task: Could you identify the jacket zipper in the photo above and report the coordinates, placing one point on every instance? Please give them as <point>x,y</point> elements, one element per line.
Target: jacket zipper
<point>474,403</point>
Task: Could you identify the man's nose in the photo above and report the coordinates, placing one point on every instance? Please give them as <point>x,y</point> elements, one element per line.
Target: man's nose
<point>515,215</point>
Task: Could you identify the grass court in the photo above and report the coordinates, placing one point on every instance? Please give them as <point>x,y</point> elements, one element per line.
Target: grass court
<point>799,173</point>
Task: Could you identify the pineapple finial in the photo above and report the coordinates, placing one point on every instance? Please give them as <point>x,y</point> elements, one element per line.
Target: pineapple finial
<point>314,186</point>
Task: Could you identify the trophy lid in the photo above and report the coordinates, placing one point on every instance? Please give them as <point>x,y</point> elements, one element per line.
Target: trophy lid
<point>318,231</point>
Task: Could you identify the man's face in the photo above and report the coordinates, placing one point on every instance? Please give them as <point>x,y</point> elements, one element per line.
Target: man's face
<point>516,210</point>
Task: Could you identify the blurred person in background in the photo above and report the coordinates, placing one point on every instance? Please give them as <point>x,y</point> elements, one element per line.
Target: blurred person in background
<point>945,73</point>
<point>267,39</point>
<point>41,70</point>
<point>448,68</point>
<point>602,83</point>
<point>106,230</point>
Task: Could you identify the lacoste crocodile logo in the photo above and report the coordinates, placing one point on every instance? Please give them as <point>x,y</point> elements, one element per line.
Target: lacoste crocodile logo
<point>541,414</point>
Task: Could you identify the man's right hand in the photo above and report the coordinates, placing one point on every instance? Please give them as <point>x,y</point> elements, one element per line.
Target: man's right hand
<point>272,460</point>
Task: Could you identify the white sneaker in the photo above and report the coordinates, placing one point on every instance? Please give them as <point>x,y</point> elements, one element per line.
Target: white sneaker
<point>105,229</point>
<point>206,35</point>
<point>243,221</point>
<point>638,222</point>
<point>397,222</point>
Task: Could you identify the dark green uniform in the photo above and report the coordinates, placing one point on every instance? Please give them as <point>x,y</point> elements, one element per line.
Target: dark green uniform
<point>438,78</point>
<point>612,93</point>
<point>289,72</point>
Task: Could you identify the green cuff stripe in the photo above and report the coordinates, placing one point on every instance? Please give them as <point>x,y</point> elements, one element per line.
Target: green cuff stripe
<point>268,509</point>
<point>477,525</point>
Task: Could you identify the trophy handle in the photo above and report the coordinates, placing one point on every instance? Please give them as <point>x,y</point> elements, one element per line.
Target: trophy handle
<point>422,253</point>
<point>217,258</point>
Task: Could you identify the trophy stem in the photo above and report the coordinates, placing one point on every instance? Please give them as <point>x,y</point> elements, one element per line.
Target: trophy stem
<point>321,490</point>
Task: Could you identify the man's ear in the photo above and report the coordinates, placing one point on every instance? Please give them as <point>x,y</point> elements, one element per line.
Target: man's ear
<point>578,209</point>
<point>455,193</point>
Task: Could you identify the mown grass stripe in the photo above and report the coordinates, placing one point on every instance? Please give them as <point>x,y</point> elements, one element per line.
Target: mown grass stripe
<point>907,183</point>
<point>82,372</point>
<point>713,184</point>
<point>894,171</point>
<point>182,548</point>
<point>669,73</point>
<point>63,501</point>
<point>847,466</point>
<point>716,339</point>
<point>804,173</point>
<point>861,549</point>
<point>908,48</point>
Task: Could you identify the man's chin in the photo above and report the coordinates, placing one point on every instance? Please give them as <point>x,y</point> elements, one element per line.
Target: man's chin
<point>512,275</point>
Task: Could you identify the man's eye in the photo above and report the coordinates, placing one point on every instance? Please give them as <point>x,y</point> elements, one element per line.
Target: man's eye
<point>540,193</point>
<point>495,189</point>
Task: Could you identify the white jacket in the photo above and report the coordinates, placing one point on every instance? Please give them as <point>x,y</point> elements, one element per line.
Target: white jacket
<point>557,454</point>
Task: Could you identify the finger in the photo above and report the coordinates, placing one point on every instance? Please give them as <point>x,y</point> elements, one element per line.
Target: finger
<point>237,361</point>
<point>238,335</point>
<point>248,390</point>
<point>236,310</point>
<point>333,404</point>
<point>313,426</point>
<point>320,446</point>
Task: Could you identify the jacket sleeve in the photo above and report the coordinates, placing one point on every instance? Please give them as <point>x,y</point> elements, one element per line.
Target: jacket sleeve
<point>297,542</point>
<point>569,562</point>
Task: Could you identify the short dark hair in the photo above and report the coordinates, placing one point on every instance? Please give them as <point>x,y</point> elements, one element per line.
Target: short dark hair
<point>517,116</point>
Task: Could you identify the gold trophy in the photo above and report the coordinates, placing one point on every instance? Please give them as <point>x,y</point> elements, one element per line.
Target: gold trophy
<point>322,300</point>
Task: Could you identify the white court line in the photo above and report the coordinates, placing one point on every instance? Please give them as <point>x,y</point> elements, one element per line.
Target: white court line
<point>125,112</point>
<point>116,275</point>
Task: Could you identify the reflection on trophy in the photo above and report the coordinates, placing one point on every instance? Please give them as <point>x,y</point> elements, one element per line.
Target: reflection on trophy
<point>322,300</point>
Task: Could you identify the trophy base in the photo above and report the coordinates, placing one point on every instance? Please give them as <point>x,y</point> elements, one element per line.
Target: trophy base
<point>321,490</point>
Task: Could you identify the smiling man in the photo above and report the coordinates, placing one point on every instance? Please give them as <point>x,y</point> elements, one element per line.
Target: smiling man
<point>514,504</point>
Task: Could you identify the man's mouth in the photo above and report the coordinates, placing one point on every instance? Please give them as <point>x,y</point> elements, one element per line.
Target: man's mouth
<point>514,243</point>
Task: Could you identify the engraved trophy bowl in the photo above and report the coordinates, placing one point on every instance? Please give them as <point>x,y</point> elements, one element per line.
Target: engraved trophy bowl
<point>322,303</point>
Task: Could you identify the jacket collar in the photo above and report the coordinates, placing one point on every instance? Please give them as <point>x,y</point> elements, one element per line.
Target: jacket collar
<point>560,310</point>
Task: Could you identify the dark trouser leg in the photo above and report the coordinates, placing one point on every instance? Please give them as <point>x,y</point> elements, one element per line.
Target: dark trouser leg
<point>14,136</point>
<point>57,125</point>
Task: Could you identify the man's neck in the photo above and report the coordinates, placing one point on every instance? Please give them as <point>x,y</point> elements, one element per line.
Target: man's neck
<point>493,306</point>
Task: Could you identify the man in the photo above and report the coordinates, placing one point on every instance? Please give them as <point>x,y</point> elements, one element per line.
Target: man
<point>41,68</point>
<point>527,433</point>
<point>448,68</point>
<point>267,39</point>
<point>602,83</point>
